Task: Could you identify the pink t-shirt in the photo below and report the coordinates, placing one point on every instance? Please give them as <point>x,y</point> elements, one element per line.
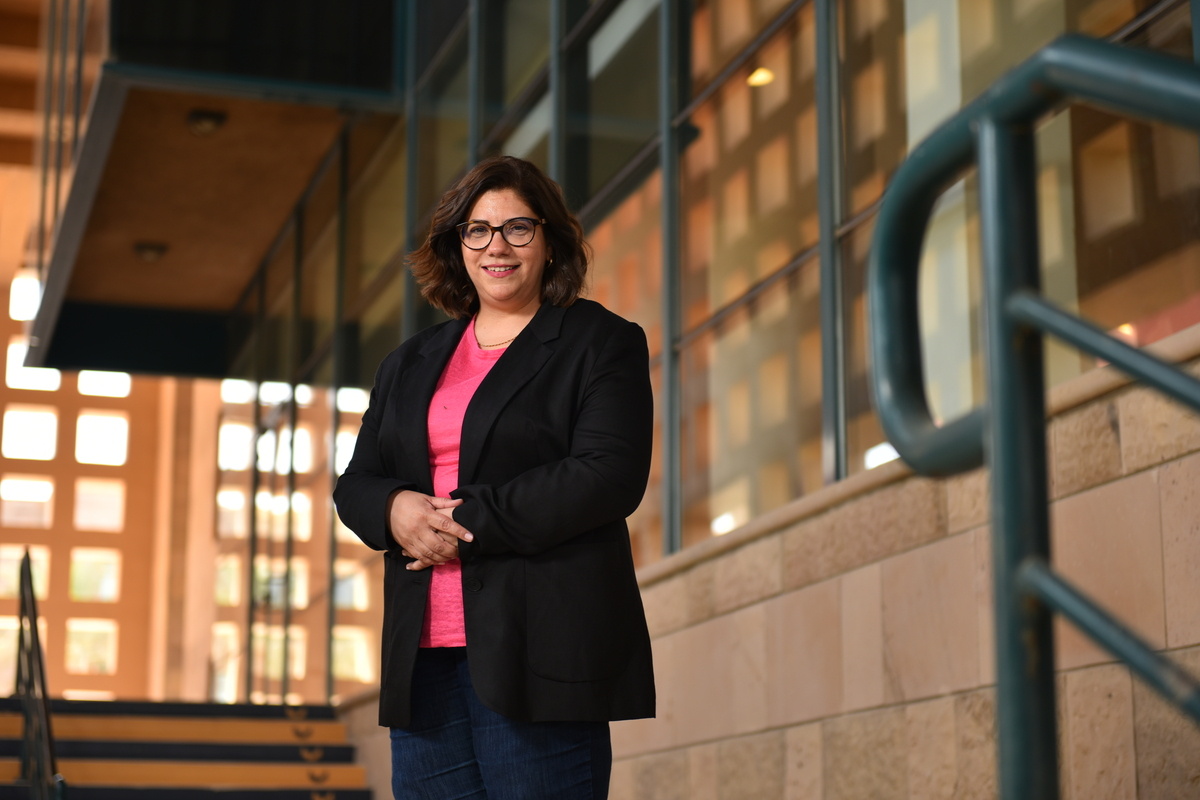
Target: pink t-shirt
<point>465,371</point>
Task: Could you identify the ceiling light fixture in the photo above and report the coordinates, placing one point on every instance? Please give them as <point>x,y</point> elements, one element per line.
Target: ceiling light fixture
<point>760,77</point>
<point>149,252</point>
<point>205,121</point>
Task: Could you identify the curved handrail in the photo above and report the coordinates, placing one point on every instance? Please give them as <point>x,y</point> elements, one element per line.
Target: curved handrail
<point>1134,82</point>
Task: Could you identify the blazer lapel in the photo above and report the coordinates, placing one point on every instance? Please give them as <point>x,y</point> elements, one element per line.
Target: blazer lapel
<point>520,362</point>
<point>414,392</point>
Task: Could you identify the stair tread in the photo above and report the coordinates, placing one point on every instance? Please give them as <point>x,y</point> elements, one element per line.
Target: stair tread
<point>210,774</point>
<point>192,751</point>
<point>153,708</point>
<point>183,729</point>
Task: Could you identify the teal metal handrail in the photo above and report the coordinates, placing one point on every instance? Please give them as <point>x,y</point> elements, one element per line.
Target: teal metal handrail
<point>38,766</point>
<point>996,133</point>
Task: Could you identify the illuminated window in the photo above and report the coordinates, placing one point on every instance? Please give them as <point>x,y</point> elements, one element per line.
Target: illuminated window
<point>351,400</point>
<point>271,580</point>
<point>229,580</point>
<point>10,570</point>
<point>29,432</point>
<point>102,437</point>
<point>226,661</point>
<point>95,575</point>
<point>231,514</point>
<point>19,376</point>
<point>302,456</point>
<point>350,590</point>
<point>344,534</point>
<point>234,446</point>
<point>268,650</point>
<point>99,504</point>
<point>343,449</point>
<point>236,392</point>
<point>91,646</point>
<point>26,501</point>
<point>265,449</point>
<point>304,395</point>
<point>24,296</point>
<point>9,626</point>
<point>105,384</point>
<point>352,658</point>
<point>301,516</point>
<point>271,393</point>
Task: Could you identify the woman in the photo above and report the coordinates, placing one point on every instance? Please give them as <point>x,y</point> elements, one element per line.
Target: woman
<point>496,464</point>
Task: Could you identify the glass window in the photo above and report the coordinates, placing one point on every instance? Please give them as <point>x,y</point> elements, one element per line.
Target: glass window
<point>10,569</point>
<point>352,656</point>
<point>375,233</point>
<point>622,98</point>
<point>29,432</point>
<point>626,276</point>
<point>26,501</point>
<point>232,519</point>
<point>102,437</point>
<point>526,26</point>
<point>749,177</point>
<point>302,516</point>
<point>237,392</point>
<point>95,575</point>
<point>443,121</point>
<point>319,266</point>
<point>269,649</point>
<point>722,28</point>
<point>229,579</point>
<point>752,408</point>
<point>271,578</point>
<point>226,661</point>
<point>234,446</point>
<point>91,646</point>
<point>99,504</point>
<point>105,384</point>
<point>530,138</point>
<point>25,295</point>
<point>19,376</point>
<point>10,628</point>
<point>350,588</point>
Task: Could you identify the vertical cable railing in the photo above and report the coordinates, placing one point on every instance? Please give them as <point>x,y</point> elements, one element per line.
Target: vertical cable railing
<point>996,132</point>
<point>38,768</point>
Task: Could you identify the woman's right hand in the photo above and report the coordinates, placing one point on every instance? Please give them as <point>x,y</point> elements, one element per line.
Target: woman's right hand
<point>424,529</point>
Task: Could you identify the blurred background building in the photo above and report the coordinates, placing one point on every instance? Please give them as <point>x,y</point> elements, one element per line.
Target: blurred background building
<point>205,207</point>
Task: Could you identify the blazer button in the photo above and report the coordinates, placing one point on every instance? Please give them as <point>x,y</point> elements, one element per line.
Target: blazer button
<point>472,584</point>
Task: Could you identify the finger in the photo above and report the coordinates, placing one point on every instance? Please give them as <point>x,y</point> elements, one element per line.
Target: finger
<point>445,502</point>
<point>444,524</point>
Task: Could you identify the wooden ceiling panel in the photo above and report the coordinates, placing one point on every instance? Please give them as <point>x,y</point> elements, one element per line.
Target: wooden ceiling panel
<point>215,201</point>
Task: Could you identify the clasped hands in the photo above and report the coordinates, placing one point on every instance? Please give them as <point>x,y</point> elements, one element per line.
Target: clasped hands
<point>425,529</point>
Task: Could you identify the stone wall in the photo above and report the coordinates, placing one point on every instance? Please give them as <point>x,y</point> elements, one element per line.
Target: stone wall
<point>843,649</point>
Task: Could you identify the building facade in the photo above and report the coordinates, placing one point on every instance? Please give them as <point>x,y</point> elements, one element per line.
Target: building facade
<point>821,618</point>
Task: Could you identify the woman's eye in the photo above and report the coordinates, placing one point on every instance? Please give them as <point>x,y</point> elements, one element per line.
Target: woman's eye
<point>518,227</point>
<point>477,231</point>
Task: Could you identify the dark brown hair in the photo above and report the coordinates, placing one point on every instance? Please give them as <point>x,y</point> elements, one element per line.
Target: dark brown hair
<point>438,264</point>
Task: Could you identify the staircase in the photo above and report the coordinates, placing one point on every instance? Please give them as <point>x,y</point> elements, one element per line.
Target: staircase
<point>190,751</point>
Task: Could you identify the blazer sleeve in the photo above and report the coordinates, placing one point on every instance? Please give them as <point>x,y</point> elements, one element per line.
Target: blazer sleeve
<point>601,481</point>
<point>362,492</point>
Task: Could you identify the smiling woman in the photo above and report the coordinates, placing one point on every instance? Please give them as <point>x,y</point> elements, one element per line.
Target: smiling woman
<point>498,460</point>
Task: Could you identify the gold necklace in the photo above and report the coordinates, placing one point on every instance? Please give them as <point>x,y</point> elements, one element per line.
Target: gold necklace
<point>497,344</point>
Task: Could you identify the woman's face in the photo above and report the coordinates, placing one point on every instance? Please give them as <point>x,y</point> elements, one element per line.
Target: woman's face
<point>506,278</point>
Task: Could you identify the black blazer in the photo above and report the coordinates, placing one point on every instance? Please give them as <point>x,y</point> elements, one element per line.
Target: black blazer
<point>555,454</point>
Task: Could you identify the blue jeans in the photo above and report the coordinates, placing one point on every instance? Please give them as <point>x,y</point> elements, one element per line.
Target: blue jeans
<point>456,748</point>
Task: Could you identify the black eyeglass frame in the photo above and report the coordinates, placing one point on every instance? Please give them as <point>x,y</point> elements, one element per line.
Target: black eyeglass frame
<point>462,230</point>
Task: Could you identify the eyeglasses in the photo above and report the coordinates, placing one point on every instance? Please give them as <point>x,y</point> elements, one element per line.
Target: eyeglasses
<point>518,232</point>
